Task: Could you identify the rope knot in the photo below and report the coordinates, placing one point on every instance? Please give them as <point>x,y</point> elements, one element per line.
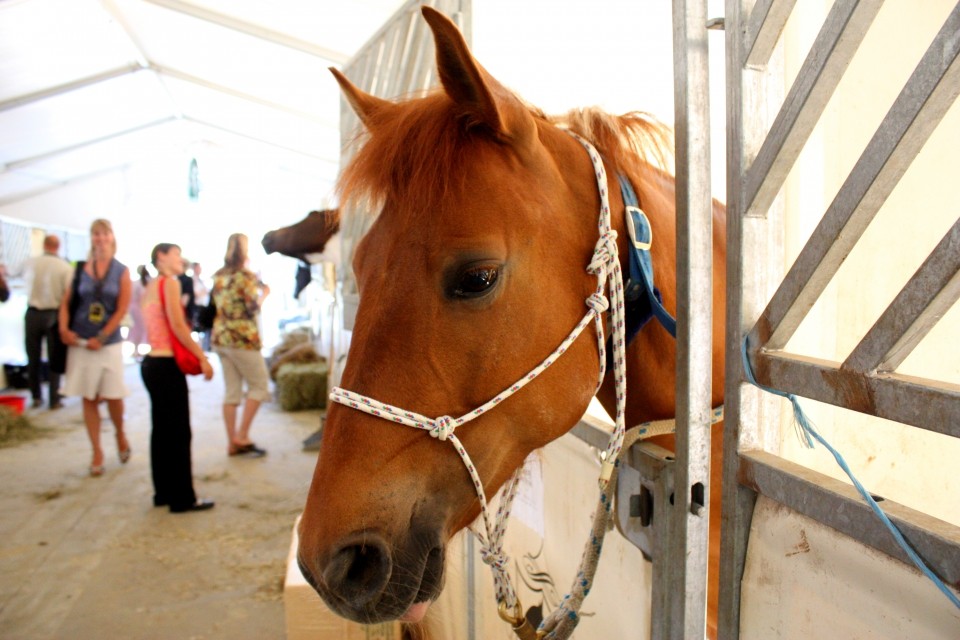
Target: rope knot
<point>442,428</point>
<point>598,302</point>
<point>604,254</point>
<point>495,559</point>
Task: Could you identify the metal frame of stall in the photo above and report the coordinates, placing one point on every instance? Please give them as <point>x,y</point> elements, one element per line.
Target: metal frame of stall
<point>758,160</point>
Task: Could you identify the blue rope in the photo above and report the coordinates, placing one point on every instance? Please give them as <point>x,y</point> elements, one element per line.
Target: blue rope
<point>809,432</point>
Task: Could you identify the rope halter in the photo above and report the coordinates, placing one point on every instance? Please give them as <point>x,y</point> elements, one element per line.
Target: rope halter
<point>605,265</point>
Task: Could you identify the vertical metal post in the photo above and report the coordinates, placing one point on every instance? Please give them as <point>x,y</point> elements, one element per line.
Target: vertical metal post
<point>687,579</point>
<point>753,244</point>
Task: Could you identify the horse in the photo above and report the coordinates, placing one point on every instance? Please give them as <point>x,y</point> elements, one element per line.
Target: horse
<point>310,235</point>
<point>474,271</point>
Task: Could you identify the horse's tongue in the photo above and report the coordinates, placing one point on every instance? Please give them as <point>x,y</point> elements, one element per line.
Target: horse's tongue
<point>416,612</point>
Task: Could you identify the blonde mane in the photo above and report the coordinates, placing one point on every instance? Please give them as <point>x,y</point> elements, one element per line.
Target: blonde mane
<point>627,142</point>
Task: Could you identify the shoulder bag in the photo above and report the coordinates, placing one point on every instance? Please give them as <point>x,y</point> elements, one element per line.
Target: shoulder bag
<point>186,360</point>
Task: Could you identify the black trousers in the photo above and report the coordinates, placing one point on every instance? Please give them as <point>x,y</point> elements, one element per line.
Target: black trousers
<point>40,325</point>
<point>170,437</point>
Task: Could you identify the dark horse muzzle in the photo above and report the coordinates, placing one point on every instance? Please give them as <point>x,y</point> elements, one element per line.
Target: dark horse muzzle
<point>365,580</point>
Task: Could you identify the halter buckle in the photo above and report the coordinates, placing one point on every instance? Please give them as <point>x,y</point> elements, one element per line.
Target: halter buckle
<point>635,218</point>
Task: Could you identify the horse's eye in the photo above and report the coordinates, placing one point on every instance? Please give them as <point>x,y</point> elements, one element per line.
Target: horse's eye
<point>475,282</point>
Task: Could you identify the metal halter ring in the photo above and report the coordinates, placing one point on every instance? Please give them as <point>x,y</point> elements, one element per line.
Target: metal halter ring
<point>517,618</point>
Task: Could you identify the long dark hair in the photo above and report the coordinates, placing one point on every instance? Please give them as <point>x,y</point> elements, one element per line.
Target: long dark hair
<point>236,257</point>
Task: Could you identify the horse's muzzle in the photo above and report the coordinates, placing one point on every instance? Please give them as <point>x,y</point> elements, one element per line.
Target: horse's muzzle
<point>267,242</point>
<point>364,580</point>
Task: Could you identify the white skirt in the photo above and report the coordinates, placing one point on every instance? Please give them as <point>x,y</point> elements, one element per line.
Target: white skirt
<point>93,374</point>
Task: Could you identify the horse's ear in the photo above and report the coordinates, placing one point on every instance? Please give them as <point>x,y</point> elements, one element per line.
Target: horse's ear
<point>365,105</point>
<point>483,100</point>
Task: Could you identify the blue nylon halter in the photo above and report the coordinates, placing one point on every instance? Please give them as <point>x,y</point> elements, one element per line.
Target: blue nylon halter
<point>643,298</point>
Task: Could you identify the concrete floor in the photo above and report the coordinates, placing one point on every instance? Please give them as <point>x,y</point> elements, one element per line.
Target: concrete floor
<point>84,557</point>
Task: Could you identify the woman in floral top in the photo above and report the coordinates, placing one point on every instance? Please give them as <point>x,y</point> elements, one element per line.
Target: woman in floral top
<point>238,294</point>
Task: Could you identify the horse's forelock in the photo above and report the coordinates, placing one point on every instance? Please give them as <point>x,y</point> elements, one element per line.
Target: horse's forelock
<point>416,153</point>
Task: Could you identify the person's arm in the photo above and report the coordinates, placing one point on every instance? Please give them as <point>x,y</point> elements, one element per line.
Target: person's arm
<point>178,323</point>
<point>264,292</point>
<point>67,336</point>
<point>113,322</point>
<point>4,289</point>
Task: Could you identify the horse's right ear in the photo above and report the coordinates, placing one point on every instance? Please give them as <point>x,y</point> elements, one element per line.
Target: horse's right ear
<point>481,99</point>
<point>365,105</point>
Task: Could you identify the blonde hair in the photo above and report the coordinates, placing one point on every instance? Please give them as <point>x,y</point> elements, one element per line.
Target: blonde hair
<point>236,256</point>
<point>102,224</point>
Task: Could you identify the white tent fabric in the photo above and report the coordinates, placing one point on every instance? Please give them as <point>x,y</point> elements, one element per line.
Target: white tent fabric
<point>89,87</point>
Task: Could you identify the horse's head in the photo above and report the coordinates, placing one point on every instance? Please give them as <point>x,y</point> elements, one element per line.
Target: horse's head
<point>310,235</point>
<point>473,272</point>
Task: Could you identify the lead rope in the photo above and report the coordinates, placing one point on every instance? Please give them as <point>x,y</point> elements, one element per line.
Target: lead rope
<point>605,265</point>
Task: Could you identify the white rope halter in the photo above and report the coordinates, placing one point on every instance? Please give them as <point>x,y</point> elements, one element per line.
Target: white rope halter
<point>605,265</point>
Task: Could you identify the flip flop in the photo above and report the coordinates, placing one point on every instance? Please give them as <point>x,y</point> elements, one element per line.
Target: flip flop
<point>249,450</point>
<point>125,456</point>
<point>97,470</point>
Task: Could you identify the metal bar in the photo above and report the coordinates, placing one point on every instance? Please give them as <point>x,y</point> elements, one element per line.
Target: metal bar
<point>269,143</point>
<point>686,550</point>
<point>930,293</point>
<point>763,30</point>
<point>662,624</point>
<point>389,65</point>
<point>841,35</point>
<point>644,466</point>
<point>251,29</point>
<point>51,92</point>
<point>404,60</point>
<point>59,184</point>
<point>928,404</point>
<point>752,248</point>
<point>407,7</point>
<point>838,505</point>
<point>40,157</point>
<point>931,90</point>
<point>219,88</point>
<point>592,431</point>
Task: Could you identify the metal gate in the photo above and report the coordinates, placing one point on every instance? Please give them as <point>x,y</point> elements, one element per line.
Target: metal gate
<point>759,159</point>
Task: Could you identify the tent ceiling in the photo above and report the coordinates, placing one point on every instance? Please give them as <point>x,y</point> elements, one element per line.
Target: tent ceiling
<point>87,86</point>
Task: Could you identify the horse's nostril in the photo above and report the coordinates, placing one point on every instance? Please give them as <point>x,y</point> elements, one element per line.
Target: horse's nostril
<point>358,572</point>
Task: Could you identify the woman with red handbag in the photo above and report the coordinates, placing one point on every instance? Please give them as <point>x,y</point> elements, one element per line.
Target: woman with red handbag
<point>173,354</point>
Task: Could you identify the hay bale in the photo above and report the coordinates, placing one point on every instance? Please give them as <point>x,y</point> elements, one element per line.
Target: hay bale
<point>302,386</point>
<point>302,353</point>
<point>292,339</point>
<point>16,428</point>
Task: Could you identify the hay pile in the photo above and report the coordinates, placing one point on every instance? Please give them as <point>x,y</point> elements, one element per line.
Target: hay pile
<point>302,385</point>
<point>16,428</point>
<point>295,347</point>
<point>300,372</point>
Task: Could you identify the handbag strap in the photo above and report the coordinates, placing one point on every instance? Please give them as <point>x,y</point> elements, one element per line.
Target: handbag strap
<point>163,307</point>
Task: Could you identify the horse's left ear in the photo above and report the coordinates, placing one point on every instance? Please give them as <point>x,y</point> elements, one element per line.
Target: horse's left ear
<point>367,106</point>
<point>483,101</point>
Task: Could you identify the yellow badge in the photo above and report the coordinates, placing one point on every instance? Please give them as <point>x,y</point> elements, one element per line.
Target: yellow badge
<point>97,313</point>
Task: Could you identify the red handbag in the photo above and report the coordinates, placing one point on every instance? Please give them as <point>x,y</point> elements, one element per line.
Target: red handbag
<point>188,363</point>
